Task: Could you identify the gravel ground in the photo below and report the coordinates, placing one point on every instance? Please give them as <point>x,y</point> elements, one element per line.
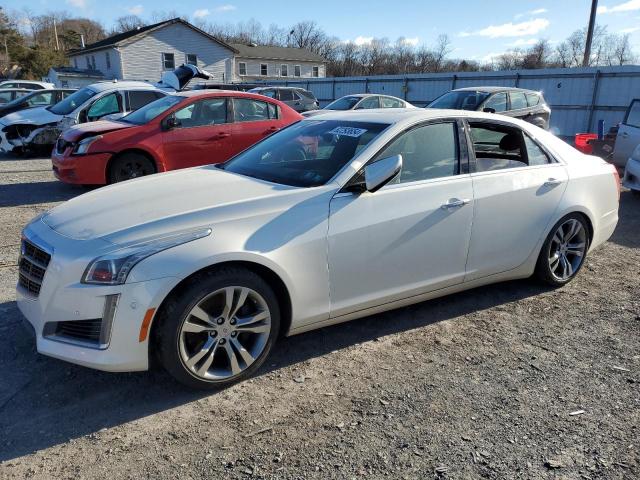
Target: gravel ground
<point>508,381</point>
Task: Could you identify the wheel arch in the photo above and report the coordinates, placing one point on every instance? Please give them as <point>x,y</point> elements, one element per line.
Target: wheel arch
<point>141,151</point>
<point>268,274</point>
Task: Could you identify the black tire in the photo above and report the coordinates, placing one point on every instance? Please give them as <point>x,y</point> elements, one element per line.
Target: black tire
<point>543,270</point>
<point>176,310</point>
<point>129,166</point>
<point>636,193</point>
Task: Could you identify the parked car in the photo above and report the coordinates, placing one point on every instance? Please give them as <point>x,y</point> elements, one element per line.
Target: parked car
<point>26,84</point>
<point>628,135</point>
<point>362,101</point>
<point>631,178</point>
<point>320,223</point>
<point>182,130</point>
<point>10,94</point>
<point>35,98</point>
<point>38,128</point>
<point>299,99</point>
<point>527,105</point>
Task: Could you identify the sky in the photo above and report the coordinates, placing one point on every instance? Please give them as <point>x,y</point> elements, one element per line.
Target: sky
<point>478,29</point>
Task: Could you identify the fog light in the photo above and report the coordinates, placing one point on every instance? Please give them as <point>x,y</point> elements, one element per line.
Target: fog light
<point>110,307</point>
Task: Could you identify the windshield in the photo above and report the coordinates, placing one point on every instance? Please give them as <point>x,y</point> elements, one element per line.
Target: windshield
<point>344,103</point>
<point>73,101</point>
<point>460,100</point>
<point>306,154</point>
<point>151,110</point>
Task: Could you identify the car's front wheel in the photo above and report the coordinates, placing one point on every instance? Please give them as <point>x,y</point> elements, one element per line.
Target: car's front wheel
<point>219,329</point>
<point>129,166</point>
<point>564,251</point>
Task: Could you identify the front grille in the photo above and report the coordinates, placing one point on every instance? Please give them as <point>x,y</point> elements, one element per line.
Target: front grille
<point>32,267</point>
<point>85,330</point>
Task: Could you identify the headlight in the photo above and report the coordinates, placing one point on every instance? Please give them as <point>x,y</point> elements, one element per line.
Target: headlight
<point>83,145</point>
<point>113,268</point>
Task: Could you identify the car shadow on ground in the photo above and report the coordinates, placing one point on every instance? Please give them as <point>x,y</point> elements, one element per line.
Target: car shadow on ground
<point>33,193</point>
<point>46,402</point>
<point>627,232</point>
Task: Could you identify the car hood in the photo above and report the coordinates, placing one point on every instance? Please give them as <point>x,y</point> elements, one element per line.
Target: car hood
<point>31,116</point>
<point>76,132</point>
<point>169,202</point>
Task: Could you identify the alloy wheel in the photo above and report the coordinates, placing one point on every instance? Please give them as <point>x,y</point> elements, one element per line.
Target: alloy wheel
<point>567,249</point>
<point>224,333</point>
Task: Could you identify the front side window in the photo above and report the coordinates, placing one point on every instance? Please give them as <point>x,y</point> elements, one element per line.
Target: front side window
<point>305,154</point>
<point>284,70</point>
<point>368,103</point>
<point>249,110</point>
<point>297,71</point>
<point>518,100</point>
<point>6,97</point>
<point>140,98</point>
<point>72,102</point>
<point>389,102</point>
<point>192,59</point>
<point>344,103</point>
<point>151,110</point>
<point>168,61</point>
<point>207,112</point>
<point>242,68</point>
<point>286,95</point>
<point>497,101</point>
<point>39,99</point>
<point>316,71</point>
<point>633,117</point>
<point>263,69</point>
<point>429,151</point>
<point>107,105</point>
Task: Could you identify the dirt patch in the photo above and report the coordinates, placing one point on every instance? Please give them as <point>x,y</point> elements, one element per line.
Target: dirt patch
<point>507,381</point>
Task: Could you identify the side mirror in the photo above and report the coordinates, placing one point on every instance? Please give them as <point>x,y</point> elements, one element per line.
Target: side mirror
<point>83,117</point>
<point>489,110</point>
<point>379,173</point>
<point>170,123</point>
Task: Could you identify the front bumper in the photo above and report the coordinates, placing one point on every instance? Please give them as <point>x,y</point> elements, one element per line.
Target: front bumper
<point>81,169</point>
<point>63,298</point>
<point>631,179</point>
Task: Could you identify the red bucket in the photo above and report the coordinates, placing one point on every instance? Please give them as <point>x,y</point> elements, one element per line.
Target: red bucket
<point>582,142</point>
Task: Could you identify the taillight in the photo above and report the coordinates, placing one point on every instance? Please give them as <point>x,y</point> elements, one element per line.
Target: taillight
<point>616,177</point>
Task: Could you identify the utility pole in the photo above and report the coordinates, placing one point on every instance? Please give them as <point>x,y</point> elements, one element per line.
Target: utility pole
<point>55,33</point>
<point>6,52</point>
<point>592,24</point>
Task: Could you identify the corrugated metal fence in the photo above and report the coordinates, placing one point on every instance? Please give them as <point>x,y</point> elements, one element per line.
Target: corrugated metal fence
<point>578,97</point>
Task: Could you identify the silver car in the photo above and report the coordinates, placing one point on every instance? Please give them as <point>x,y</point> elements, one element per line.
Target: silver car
<point>299,99</point>
<point>628,137</point>
<point>362,101</point>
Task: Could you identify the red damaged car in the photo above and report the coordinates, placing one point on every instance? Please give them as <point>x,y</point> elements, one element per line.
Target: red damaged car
<point>182,130</point>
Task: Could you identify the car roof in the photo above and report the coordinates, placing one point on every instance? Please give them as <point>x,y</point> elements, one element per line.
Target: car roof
<point>279,88</point>
<point>399,115</point>
<point>219,93</point>
<point>16,90</point>
<point>104,86</point>
<point>494,89</point>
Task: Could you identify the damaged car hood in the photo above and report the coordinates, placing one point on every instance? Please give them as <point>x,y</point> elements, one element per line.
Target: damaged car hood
<point>31,116</point>
<point>76,132</point>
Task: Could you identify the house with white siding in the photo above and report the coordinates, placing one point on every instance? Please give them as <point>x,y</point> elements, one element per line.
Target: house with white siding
<point>147,52</point>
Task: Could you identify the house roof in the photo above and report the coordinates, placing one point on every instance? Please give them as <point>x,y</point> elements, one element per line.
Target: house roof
<point>276,53</point>
<point>120,38</point>
<point>78,72</point>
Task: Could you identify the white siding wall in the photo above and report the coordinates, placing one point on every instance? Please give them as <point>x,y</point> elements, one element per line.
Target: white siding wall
<point>273,68</point>
<point>101,62</point>
<point>142,59</point>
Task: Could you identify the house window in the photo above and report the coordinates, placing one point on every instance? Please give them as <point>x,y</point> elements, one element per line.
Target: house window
<point>284,70</point>
<point>192,59</point>
<point>264,71</point>
<point>242,68</point>
<point>108,60</point>
<point>93,62</point>
<point>168,61</point>
<point>88,62</point>
<point>316,72</point>
<point>296,71</point>
<point>75,62</point>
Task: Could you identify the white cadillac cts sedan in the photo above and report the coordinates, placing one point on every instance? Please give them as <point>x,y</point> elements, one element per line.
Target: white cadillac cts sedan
<point>333,218</point>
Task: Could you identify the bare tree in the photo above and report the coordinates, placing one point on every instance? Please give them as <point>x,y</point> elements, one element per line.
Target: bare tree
<point>127,23</point>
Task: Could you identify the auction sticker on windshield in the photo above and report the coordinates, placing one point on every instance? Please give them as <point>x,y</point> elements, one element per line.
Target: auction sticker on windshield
<point>348,131</point>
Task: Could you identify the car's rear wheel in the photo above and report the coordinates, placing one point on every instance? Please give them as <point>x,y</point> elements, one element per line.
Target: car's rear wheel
<point>219,329</point>
<point>564,251</point>
<point>129,166</point>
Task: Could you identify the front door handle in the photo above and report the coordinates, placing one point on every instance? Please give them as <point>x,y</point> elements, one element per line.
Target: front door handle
<point>552,182</point>
<point>624,134</point>
<point>220,136</point>
<point>455,203</point>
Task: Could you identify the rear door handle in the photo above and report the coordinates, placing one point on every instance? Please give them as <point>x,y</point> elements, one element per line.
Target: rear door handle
<point>270,130</point>
<point>552,182</point>
<point>455,203</point>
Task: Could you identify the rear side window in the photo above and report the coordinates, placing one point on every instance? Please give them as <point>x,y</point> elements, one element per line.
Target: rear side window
<point>249,110</point>
<point>533,99</point>
<point>498,102</point>
<point>139,98</point>
<point>388,102</point>
<point>535,155</point>
<point>429,151</point>
<point>518,100</point>
<point>273,111</point>
<point>308,94</point>
<point>633,117</point>
<point>497,147</point>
